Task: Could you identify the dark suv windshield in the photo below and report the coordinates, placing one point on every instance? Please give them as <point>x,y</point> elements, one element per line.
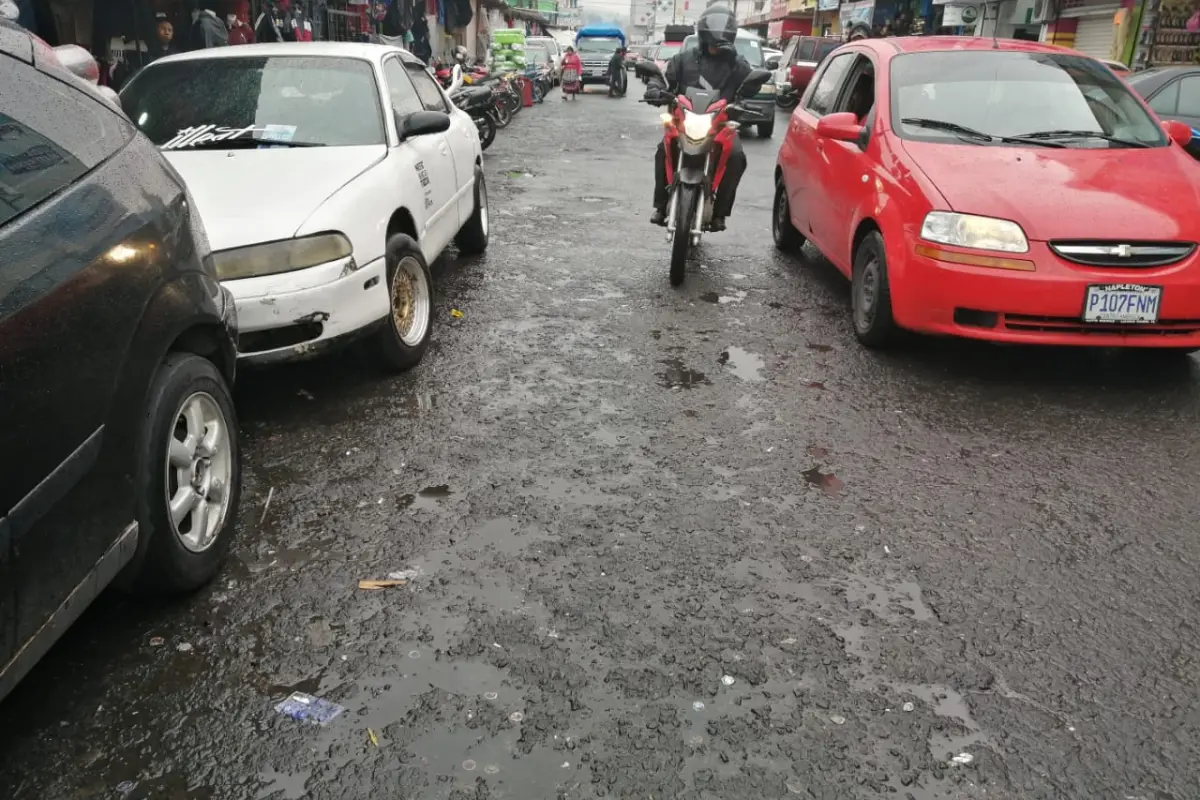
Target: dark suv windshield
<point>1005,93</point>
<point>223,103</point>
<point>748,48</point>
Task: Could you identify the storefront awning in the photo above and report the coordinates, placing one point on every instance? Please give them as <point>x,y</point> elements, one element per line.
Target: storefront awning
<point>526,14</point>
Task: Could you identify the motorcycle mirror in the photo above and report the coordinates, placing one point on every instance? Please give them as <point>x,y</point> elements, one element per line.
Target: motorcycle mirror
<point>754,82</point>
<point>647,69</point>
<point>456,79</point>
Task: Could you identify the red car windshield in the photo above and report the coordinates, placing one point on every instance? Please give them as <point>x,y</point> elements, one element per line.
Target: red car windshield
<point>666,50</point>
<point>945,96</point>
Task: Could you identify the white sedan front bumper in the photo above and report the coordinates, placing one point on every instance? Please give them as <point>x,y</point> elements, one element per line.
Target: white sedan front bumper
<point>296,315</point>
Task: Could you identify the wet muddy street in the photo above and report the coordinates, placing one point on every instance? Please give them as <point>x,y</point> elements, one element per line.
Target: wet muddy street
<point>659,543</point>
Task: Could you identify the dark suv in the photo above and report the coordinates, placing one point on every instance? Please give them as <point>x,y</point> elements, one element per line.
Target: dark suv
<point>118,438</point>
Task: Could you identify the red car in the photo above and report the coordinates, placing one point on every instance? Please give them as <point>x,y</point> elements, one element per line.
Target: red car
<point>1001,190</point>
<point>801,57</point>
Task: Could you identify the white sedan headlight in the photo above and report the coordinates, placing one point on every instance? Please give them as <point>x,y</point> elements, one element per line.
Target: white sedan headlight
<point>286,255</point>
<point>697,126</point>
<point>979,233</point>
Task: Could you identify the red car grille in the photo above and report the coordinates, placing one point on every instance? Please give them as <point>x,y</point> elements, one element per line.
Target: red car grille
<point>1028,324</point>
<point>1123,255</point>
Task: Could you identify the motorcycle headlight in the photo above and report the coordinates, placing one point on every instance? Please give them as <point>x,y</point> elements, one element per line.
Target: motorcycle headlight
<point>287,255</point>
<point>696,126</point>
<point>968,230</point>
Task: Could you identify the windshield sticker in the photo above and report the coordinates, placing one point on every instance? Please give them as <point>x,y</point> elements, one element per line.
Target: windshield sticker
<point>202,134</point>
<point>278,133</point>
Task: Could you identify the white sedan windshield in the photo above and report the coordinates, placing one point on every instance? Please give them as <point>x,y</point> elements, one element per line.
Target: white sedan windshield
<point>227,103</point>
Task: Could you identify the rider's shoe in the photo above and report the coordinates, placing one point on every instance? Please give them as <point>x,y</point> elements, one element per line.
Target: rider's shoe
<point>716,224</point>
<point>659,217</point>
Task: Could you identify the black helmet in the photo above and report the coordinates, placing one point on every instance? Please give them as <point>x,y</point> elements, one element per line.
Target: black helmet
<point>717,26</point>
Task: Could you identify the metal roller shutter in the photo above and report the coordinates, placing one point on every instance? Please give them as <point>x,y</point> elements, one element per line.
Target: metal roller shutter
<point>1094,35</point>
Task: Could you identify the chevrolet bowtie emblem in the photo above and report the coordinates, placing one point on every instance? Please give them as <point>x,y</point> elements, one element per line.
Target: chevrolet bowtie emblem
<point>1122,251</point>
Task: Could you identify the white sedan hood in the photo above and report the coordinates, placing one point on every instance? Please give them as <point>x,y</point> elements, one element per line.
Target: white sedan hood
<point>250,196</point>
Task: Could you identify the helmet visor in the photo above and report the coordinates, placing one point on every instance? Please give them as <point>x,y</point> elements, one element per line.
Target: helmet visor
<point>720,23</point>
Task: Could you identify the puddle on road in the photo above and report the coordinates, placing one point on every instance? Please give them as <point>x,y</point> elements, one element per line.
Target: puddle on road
<point>743,364</point>
<point>678,375</point>
<point>292,786</point>
<point>827,482</point>
<point>427,499</point>
<point>417,403</point>
<point>735,296</point>
<point>880,599</point>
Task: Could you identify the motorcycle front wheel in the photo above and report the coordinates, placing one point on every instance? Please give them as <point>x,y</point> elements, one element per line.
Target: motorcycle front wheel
<point>487,130</point>
<point>685,220</point>
<point>501,114</point>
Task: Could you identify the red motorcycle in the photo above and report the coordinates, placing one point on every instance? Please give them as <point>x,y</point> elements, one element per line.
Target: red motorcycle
<point>698,134</point>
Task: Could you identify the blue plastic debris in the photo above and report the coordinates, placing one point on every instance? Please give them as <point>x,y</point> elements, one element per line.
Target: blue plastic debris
<point>306,708</point>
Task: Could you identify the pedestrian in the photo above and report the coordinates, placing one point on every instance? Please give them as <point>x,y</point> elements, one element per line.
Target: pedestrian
<point>208,30</point>
<point>572,73</point>
<point>239,31</point>
<point>164,38</point>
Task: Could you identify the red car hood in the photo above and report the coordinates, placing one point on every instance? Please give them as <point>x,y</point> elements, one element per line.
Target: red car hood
<point>1070,193</point>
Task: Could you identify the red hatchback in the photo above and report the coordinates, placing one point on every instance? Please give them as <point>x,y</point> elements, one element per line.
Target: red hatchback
<point>1004,190</point>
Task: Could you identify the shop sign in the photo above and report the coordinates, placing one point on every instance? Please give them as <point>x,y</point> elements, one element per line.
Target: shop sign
<point>778,9</point>
<point>858,11</point>
<point>775,30</point>
<point>955,15</point>
<point>827,5</point>
<point>801,6</point>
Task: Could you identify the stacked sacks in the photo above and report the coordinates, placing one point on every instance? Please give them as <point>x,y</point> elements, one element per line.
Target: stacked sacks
<point>508,50</point>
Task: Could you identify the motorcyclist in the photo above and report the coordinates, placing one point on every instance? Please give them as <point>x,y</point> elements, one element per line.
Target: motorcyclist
<point>717,61</point>
<point>616,63</point>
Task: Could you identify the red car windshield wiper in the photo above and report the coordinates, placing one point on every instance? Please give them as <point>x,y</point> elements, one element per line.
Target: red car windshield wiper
<point>970,134</point>
<point>1036,135</point>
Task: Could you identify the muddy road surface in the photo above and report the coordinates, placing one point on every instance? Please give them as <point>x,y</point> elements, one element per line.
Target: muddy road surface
<point>661,543</point>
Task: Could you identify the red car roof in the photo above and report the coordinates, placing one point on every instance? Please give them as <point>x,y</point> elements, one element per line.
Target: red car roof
<point>927,44</point>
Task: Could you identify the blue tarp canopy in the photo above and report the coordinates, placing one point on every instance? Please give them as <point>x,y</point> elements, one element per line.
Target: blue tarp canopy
<point>605,30</point>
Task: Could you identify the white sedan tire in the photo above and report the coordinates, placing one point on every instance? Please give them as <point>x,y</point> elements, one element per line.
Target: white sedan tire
<point>402,340</point>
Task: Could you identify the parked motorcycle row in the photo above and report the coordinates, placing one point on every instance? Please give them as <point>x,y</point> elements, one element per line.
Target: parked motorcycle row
<point>492,100</point>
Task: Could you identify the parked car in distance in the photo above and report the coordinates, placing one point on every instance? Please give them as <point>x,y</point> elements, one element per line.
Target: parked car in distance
<point>934,173</point>
<point>1173,93</point>
<point>329,175</point>
<point>801,57</point>
<point>664,52</point>
<point>635,53</point>
<point>120,441</point>
<point>1118,67</point>
<point>552,47</point>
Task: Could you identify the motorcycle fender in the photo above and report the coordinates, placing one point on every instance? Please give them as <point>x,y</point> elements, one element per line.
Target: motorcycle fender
<point>691,174</point>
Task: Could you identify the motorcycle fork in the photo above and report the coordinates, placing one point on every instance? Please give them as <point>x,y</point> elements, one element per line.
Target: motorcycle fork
<point>673,206</point>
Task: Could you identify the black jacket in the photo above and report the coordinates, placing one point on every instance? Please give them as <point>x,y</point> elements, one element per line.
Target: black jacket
<point>208,31</point>
<point>724,72</point>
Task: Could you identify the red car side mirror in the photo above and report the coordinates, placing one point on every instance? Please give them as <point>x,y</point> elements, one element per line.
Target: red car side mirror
<point>843,126</point>
<point>1180,132</point>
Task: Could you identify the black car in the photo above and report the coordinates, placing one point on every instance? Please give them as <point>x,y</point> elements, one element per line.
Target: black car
<point>1172,93</point>
<point>119,440</point>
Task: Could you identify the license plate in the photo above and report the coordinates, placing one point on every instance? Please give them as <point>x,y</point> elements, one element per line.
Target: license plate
<point>1128,303</point>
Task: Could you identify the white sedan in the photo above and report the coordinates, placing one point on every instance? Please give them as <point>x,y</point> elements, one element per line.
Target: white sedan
<point>328,177</point>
